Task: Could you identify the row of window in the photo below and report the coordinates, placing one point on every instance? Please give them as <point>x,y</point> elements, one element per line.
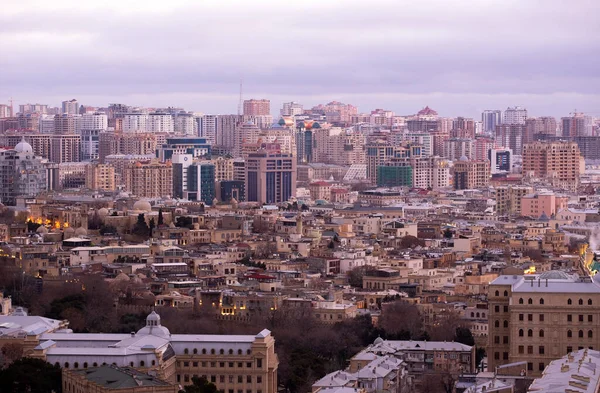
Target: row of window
<point>590,333</point>
<point>569,301</point>
<point>85,364</point>
<point>213,352</point>
<point>221,364</point>
<point>213,379</point>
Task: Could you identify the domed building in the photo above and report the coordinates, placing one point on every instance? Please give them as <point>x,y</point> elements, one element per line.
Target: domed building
<point>142,206</point>
<point>22,174</point>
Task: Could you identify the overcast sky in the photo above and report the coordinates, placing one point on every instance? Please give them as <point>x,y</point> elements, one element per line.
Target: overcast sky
<point>459,57</point>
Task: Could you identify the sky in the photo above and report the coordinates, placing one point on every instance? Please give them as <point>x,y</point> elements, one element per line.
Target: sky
<point>458,57</point>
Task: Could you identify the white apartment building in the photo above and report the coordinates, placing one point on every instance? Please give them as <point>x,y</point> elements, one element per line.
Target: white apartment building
<point>516,115</point>
<point>160,122</point>
<point>133,122</point>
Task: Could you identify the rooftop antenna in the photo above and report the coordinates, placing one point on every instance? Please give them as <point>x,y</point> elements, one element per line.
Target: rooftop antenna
<point>240,102</point>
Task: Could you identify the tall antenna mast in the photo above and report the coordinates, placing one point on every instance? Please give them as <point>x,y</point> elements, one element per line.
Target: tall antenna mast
<point>240,102</point>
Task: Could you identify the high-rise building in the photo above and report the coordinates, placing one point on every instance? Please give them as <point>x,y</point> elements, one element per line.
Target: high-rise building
<point>193,180</point>
<point>270,175</point>
<point>226,131</point>
<point>185,124</point>
<point>67,124</point>
<point>508,199</point>
<point>463,127</point>
<point>160,122</point>
<point>291,109</point>
<point>500,160</point>
<point>71,175</point>
<point>22,174</point>
<point>39,142</point>
<point>29,121</point>
<point>558,162</point>
<point>100,177</point>
<point>223,168</point>
<point>394,176</point>
<point>65,148</point>
<point>455,148</point>
<point>46,124</point>
<point>139,143</point>
<point>515,115</point>
<point>537,318</point>
<point>257,107</point>
<point>490,118</point>
<point>149,179</point>
<point>207,128</point>
<point>32,108</point>
<point>70,107</point>
<point>471,174</point>
<point>483,144</point>
<point>134,122</point>
<point>197,147</point>
<point>577,125</point>
<point>92,124</point>
<point>510,136</point>
<point>5,111</point>
<point>336,112</point>
<point>539,126</point>
<point>246,133</point>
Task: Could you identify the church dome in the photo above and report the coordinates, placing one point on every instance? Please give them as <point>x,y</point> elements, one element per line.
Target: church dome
<point>42,229</point>
<point>142,205</point>
<point>23,147</point>
<point>463,158</point>
<point>81,231</point>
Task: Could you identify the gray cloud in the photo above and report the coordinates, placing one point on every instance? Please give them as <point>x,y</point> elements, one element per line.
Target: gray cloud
<point>400,55</point>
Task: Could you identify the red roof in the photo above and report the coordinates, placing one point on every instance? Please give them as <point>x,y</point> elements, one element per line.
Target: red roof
<point>427,111</point>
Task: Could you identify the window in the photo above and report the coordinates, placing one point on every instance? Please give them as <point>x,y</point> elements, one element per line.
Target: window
<point>580,318</point>
<point>520,332</point>
<point>530,301</point>
<point>541,317</point>
<point>231,379</point>
<point>231,351</point>
<point>521,349</point>
<point>541,349</point>
<point>590,318</point>
<point>569,334</point>
<point>581,302</point>
<point>248,352</point>
<point>249,364</point>
<point>530,317</point>
<point>569,318</point>
<point>212,351</point>
<point>497,293</point>
<point>530,349</point>
<point>240,379</point>
<point>222,364</point>
<point>520,300</point>
<point>85,364</point>
<point>496,339</point>
<point>569,349</point>
<point>530,366</point>
<point>505,308</point>
<point>541,300</point>
<point>497,355</point>
<point>520,317</point>
<point>259,379</point>
<point>581,334</point>
<point>497,308</point>
<point>213,364</point>
<point>541,332</point>
<point>67,365</point>
<point>590,334</point>
<point>529,333</point>
<point>541,366</point>
<point>505,293</point>
<point>76,365</point>
<point>589,302</point>
<point>230,364</point>
<point>505,340</point>
<point>204,351</point>
<point>239,351</point>
<point>142,364</point>
<point>505,323</point>
<point>259,363</point>
<point>497,323</point>
<point>186,364</point>
<point>195,351</point>
<point>154,362</point>
<point>248,378</point>
<point>186,351</point>
<point>569,302</point>
<point>222,378</point>
<point>222,352</point>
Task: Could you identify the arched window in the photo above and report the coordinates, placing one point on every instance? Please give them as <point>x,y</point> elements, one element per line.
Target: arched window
<point>477,315</point>
<point>589,302</point>
<point>249,352</point>
<point>505,293</point>
<point>231,351</point>
<point>530,333</point>
<point>590,334</point>
<point>195,351</point>
<point>497,293</point>
<point>520,332</point>
<point>542,300</point>
<point>186,351</point>
<point>472,314</point>
<point>84,364</point>
<point>569,302</point>
<point>530,301</point>
<point>497,323</point>
<point>76,365</point>
<point>239,351</point>
<point>212,351</point>
<point>581,334</point>
<point>66,364</point>
<point>482,315</point>
<point>541,332</point>
<point>505,323</point>
<point>569,333</point>
<point>221,351</point>
<point>521,300</point>
<point>142,363</point>
<point>95,364</point>
<point>581,302</point>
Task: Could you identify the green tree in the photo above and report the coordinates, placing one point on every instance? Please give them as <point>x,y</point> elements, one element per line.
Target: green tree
<point>161,220</point>
<point>141,228</point>
<point>200,385</point>
<point>464,336</point>
<point>151,226</point>
<point>31,376</point>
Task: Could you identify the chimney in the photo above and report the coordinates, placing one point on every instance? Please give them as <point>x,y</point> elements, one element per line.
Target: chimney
<point>132,334</point>
<point>546,282</point>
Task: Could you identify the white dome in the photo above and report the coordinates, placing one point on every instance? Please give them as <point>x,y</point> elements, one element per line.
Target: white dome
<point>81,231</point>
<point>154,327</point>
<point>103,212</point>
<point>142,205</point>
<point>464,158</point>
<point>23,147</point>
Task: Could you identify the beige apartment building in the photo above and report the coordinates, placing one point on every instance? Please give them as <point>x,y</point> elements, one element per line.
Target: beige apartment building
<point>556,161</point>
<point>149,179</point>
<point>539,318</point>
<point>100,177</point>
<point>223,168</point>
<point>471,174</point>
<point>135,143</point>
<point>508,199</point>
<point>39,142</point>
<point>65,148</point>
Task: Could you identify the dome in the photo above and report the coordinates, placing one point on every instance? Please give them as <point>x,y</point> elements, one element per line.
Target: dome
<point>142,205</point>
<point>316,125</point>
<point>172,225</point>
<point>42,229</point>
<point>463,158</point>
<point>81,231</point>
<point>123,194</point>
<point>153,327</point>
<point>70,230</point>
<point>103,212</point>
<point>23,147</point>
<point>378,340</point>
<point>281,122</point>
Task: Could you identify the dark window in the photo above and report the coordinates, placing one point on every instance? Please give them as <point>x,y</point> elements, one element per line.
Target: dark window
<point>505,293</point>
<point>530,317</point>
<point>569,333</point>
<point>530,366</point>
<point>497,355</point>
<point>541,332</point>
<point>195,351</point>
<point>581,334</point>
<point>541,366</point>
<point>505,323</point>
<point>259,363</point>
<point>581,302</point>
<point>520,300</point>
<point>541,300</point>
<point>569,302</point>
<point>530,301</point>
<point>569,318</point>
<point>590,334</point>
<point>529,333</point>
<point>521,349</point>
<point>222,378</point>
<point>520,332</point>
<point>580,318</point>
<point>589,302</point>
<point>497,323</point>
<point>505,355</point>
<point>590,318</point>
<point>248,378</point>
<point>569,349</point>
<point>541,317</point>
<point>259,379</point>
<point>505,340</point>
<point>505,308</point>
<point>497,293</point>
<point>520,317</point>
<point>530,349</point>
<point>541,349</point>
<point>496,339</point>
<point>497,308</point>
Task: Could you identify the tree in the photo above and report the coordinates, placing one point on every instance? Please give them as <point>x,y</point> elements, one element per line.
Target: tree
<point>140,228</point>
<point>184,222</point>
<point>200,385</point>
<point>10,353</point>
<point>151,226</point>
<point>32,376</point>
<point>95,222</point>
<point>463,335</point>
<point>161,220</point>
<point>411,242</point>
<point>400,320</point>
<point>448,233</point>
<point>355,276</point>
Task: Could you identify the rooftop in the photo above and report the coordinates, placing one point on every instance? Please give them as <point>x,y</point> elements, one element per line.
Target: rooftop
<point>113,377</point>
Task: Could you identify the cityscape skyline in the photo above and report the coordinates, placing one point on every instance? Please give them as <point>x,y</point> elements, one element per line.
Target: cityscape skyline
<point>460,59</point>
